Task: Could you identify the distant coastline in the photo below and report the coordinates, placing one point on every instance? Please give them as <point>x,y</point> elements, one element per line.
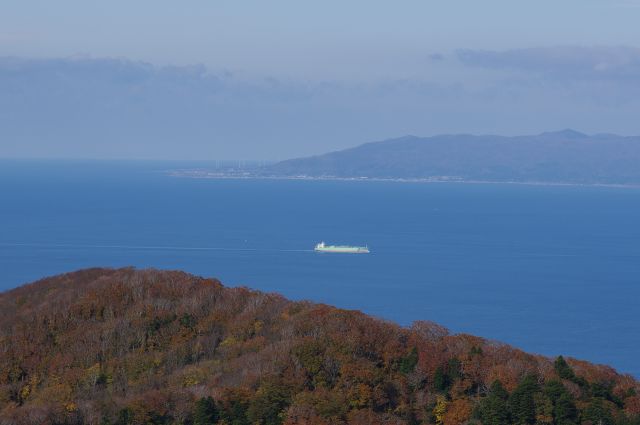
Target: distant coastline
<point>245,175</point>
<point>565,157</point>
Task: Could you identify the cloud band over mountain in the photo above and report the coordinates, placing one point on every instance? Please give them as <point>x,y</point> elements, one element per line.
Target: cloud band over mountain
<point>119,108</point>
<point>566,62</point>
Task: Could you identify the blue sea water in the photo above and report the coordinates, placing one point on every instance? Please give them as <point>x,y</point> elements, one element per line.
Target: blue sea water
<point>549,269</point>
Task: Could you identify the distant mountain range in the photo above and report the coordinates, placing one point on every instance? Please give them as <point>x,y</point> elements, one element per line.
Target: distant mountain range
<point>564,156</point>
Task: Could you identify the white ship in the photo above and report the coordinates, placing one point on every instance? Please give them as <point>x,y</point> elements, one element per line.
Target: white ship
<point>342,249</point>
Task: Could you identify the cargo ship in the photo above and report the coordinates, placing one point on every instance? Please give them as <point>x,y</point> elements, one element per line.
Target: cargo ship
<point>343,249</point>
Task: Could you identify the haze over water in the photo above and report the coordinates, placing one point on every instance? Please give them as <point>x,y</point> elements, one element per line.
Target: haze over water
<point>549,269</point>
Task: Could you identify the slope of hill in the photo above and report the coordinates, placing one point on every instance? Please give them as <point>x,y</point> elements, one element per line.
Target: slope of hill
<point>104,346</point>
<point>558,157</point>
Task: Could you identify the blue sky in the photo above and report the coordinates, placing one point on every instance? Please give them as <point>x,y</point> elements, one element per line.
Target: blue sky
<point>270,80</point>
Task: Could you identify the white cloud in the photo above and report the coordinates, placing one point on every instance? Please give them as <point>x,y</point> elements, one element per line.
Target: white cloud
<point>87,107</point>
<point>564,62</point>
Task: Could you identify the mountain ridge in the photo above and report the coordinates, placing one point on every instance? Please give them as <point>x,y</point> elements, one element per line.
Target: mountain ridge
<point>565,156</point>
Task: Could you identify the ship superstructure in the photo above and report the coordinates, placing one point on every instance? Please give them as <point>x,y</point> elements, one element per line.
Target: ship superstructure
<point>341,249</point>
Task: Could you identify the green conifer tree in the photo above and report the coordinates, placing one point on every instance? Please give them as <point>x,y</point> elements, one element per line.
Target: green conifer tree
<point>125,417</point>
<point>408,363</point>
<point>597,413</point>
<point>522,403</point>
<point>454,369</point>
<point>205,412</point>
<point>268,405</point>
<point>565,412</point>
<point>440,380</point>
<point>564,409</point>
<point>563,369</point>
<point>494,409</point>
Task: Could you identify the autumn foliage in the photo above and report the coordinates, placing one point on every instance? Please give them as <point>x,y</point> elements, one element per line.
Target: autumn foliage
<point>125,346</point>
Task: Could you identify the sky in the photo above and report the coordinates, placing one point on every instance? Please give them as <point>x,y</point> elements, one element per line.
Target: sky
<point>272,80</point>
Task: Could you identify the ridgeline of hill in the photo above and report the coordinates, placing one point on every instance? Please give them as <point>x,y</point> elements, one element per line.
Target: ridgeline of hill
<point>122,346</point>
<point>557,157</point>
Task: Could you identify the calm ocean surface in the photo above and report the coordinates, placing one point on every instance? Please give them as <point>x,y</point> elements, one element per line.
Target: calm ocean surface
<point>552,270</point>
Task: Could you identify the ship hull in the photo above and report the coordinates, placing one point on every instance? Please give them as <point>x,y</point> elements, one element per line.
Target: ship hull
<point>338,250</point>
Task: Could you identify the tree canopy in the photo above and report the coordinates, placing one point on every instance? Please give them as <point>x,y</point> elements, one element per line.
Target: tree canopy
<point>126,346</point>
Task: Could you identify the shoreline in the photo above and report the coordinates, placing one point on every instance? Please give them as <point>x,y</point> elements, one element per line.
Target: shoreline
<point>247,176</point>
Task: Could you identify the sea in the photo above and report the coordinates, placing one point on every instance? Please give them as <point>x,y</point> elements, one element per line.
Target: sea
<point>549,269</point>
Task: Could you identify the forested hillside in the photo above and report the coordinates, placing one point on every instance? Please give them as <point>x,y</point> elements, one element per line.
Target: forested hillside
<point>105,346</point>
